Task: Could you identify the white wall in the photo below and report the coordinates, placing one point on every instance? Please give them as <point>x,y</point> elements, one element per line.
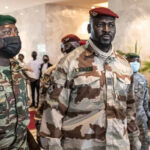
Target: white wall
<point>42,27</point>
<point>133,24</point>
<point>62,20</point>
<point>31,25</point>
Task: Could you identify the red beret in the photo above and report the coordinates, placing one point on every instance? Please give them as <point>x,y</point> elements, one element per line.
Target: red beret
<point>102,11</point>
<point>82,42</point>
<point>70,37</point>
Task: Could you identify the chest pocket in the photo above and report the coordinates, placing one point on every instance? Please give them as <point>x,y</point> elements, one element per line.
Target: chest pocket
<point>139,89</point>
<point>86,89</point>
<point>4,104</point>
<point>122,85</point>
<point>83,81</point>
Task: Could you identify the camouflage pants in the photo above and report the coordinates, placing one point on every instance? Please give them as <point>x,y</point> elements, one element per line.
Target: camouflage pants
<point>144,138</point>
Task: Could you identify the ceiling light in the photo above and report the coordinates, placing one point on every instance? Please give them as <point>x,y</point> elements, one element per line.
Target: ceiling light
<point>93,7</point>
<point>83,28</point>
<point>102,4</point>
<point>6,7</point>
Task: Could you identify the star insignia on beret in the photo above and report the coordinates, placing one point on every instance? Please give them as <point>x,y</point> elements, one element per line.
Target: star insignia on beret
<point>94,13</point>
<point>67,39</point>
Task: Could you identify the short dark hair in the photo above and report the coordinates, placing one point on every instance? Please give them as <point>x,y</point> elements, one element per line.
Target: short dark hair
<point>34,52</point>
<point>21,55</point>
<point>46,56</point>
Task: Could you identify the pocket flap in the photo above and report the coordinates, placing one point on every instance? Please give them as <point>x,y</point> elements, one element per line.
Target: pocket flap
<point>125,80</point>
<point>83,80</point>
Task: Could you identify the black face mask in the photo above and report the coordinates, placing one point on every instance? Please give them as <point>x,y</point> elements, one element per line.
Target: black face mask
<point>11,47</point>
<point>45,60</point>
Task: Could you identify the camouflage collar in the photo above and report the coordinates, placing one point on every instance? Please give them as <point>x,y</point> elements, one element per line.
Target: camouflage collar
<point>13,60</point>
<point>15,65</point>
<point>90,46</point>
<point>89,49</point>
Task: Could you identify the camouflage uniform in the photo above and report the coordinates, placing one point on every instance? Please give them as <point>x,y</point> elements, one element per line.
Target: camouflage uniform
<point>44,84</point>
<point>91,105</point>
<point>141,97</point>
<point>14,117</point>
<point>45,80</point>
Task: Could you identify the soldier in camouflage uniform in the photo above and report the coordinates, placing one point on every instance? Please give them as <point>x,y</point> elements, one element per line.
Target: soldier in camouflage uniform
<point>91,104</point>
<point>14,116</point>
<point>68,43</point>
<point>142,98</point>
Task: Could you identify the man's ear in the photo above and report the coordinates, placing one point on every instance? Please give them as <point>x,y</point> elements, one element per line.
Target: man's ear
<point>89,28</point>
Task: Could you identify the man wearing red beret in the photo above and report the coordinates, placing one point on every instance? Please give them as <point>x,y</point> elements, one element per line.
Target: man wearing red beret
<point>69,43</point>
<point>91,104</point>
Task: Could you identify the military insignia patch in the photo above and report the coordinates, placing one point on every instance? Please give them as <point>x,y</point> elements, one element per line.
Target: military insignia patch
<point>86,69</point>
<point>67,39</point>
<point>94,13</point>
<point>1,88</point>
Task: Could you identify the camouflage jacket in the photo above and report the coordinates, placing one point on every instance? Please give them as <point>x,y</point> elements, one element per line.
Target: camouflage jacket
<point>45,80</point>
<point>141,97</point>
<point>14,117</point>
<point>44,84</point>
<point>91,104</point>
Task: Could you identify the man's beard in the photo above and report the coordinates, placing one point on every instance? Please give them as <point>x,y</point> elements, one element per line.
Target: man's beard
<point>105,41</point>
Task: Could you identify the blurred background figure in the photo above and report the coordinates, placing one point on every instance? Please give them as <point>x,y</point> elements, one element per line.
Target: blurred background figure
<point>45,65</point>
<point>28,73</point>
<point>34,64</point>
<point>21,59</point>
<point>69,43</point>
<point>141,97</point>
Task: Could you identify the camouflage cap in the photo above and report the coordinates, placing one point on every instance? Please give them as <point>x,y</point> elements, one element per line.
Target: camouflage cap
<point>132,55</point>
<point>6,19</point>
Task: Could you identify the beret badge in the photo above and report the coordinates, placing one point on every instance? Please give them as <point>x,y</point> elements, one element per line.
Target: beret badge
<point>94,13</point>
<point>67,39</point>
